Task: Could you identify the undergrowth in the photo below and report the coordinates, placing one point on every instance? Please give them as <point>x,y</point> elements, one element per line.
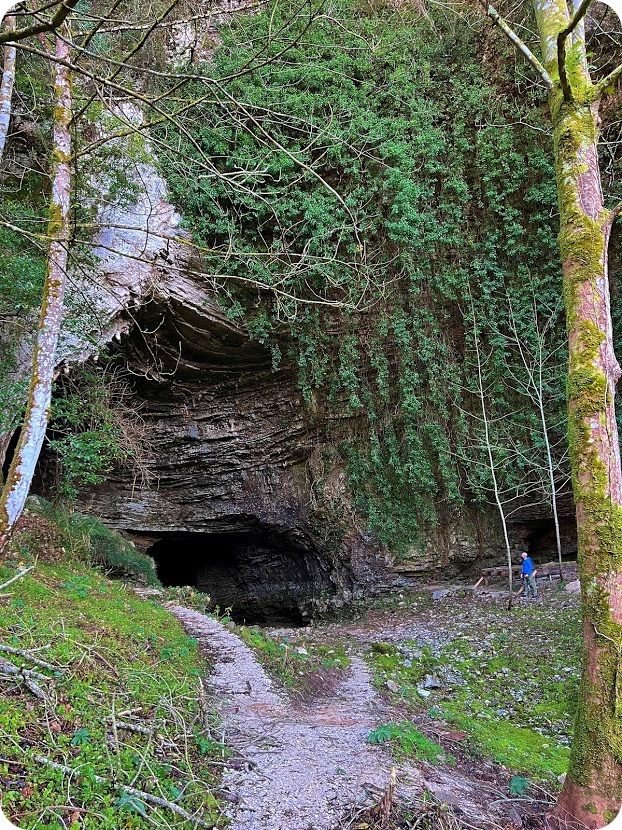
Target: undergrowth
<point>423,813</point>
<point>408,741</point>
<point>115,702</point>
<point>512,690</point>
<point>84,538</point>
<point>303,667</point>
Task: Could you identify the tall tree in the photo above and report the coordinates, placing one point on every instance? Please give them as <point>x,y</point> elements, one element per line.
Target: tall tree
<point>6,96</point>
<point>537,369</point>
<point>488,449</point>
<point>592,791</point>
<point>6,86</point>
<point>36,416</point>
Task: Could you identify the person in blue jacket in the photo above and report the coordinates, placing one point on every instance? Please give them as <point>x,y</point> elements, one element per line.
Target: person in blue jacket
<point>528,574</point>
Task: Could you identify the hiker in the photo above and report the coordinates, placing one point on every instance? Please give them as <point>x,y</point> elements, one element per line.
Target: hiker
<point>528,574</point>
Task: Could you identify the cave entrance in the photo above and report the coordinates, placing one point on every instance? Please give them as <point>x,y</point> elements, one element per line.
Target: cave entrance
<point>264,575</point>
<point>540,541</point>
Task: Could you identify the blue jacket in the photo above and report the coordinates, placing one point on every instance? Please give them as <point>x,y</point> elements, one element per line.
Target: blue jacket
<point>528,567</point>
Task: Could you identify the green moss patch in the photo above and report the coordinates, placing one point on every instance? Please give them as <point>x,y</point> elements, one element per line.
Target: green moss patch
<point>509,682</point>
<point>409,742</point>
<point>303,667</point>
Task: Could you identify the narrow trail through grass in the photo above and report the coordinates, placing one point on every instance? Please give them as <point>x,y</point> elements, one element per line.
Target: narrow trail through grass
<point>120,710</point>
<point>301,762</point>
<point>479,682</point>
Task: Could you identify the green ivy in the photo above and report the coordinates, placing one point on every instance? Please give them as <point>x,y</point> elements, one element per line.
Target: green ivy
<point>22,272</point>
<point>87,430</point>
<point>447,192</point>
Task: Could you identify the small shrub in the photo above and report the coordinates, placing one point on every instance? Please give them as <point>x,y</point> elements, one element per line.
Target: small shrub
<point>90,540</point>
<point>519,785</point>
<point>409,741</point>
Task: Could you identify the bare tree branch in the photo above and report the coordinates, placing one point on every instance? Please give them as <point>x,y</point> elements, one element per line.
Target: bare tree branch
<point>143,796</point>
<point>522,47</point>
<point>40,28</point>
<point>603,86</point>
<point>613,215</point>
<point>492,467</point>
<point>133,51</point>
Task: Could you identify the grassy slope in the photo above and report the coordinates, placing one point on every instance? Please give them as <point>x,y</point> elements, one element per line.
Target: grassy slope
<point>118,654</point>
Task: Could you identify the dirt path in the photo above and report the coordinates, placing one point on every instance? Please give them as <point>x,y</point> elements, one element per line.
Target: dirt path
<point>303,767</point>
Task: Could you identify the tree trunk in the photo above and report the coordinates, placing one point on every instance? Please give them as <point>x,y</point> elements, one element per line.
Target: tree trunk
<point>593,788</point>
<point>36,417</point>
<point>6,96</point>
<point>491,459</point>
<point>592,791</point>
<point>551,472</point>
<point>6,87</point>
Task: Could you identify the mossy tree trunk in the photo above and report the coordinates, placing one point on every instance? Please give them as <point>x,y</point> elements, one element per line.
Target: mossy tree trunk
<point>6,98</point>
<point>36,417</point>
<point>593,788</point>
<point>592,791</point>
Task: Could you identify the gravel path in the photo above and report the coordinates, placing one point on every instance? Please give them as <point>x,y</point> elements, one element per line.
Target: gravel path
<point>302,767</point>
<point>305,765</point>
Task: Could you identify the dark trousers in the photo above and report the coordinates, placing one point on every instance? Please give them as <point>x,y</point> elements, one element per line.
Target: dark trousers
<point>529,584</point>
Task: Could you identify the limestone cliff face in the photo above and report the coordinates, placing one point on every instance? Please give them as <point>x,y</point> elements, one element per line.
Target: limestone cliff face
<point>233,455</point>
<point>229,504</point>
<point>234,452</point>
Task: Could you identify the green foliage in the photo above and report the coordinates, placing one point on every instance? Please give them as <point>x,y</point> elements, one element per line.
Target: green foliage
<point>80,737</point>
<point>88,539</point>
<point>409,742</point>
<point>22,271</point>
<point>519,785</point>
<point>126,801</point>
<point>208,746</point>
<point>91,428</point>
<point>112,552</point>
<point>78,586</point>
<point>442,188</point>
<point>380,734</point>
<point>22,262</point>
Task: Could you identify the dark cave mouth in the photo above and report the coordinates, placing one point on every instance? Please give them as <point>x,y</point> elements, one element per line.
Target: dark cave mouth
<point>540,542</point>
<point>263,575</point>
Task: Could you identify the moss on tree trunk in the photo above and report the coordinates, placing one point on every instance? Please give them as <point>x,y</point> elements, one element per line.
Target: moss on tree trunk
<point>19,478</point>
<point>593,788</point>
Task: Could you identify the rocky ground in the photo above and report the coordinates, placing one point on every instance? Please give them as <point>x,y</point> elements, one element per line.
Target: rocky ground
<point>443,691</point>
